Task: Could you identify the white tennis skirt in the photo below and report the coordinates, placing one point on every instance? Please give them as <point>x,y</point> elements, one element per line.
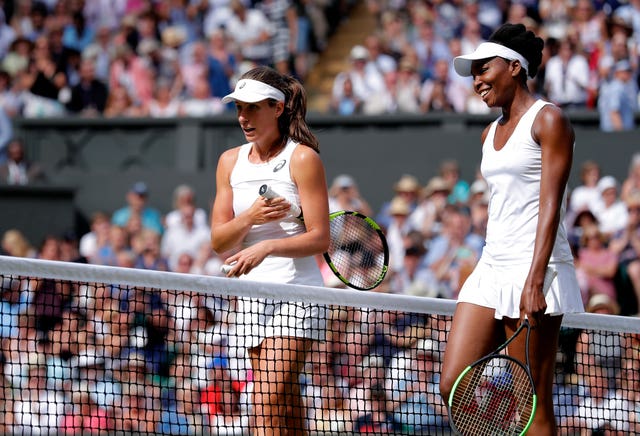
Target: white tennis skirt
<point>263,318</point>
<point>500,287</point>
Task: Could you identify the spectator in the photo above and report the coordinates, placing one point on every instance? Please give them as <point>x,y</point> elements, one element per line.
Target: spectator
<point>129,71</point>
<point>185,195</point>
<point>380,418</point>
<point>626,244</point>
<point>407,187</point>
<point>222,64</point>
<point>77,35</point>
<point>365,80</point>
<point>15,243</point>
<point>631,184</point>
<point>7,35</point>
<point>396,232</point>
<point>284,18</point>
<point>430,47</point>
<point>450,171</point>
<point>408,87</point>
<point>89,96</point>
<point>412,381</point>
<point>596,265</point>
<point>251,32</point>
<point>164,103</point>
<point>567,77</point>
<point>37,407</point>
<point>586,195</point>
<point>147,245</point>
<point>137,199</point>
<point>18,169</point>
<point>344,195</point>
<point>117,242</point>
<point>441,94</point>
<point>120,104</point>
<point>618,100</point>
<point>453,253</point>
<point>100,51</point>
<point>200,102</point>
<point>184,238</point>
<point>345,101</point>
<point>427,216</point>
<point>610,211</point>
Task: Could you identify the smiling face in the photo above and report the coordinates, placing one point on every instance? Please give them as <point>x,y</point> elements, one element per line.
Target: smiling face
<point>259,121</point>
<point>493,80</point>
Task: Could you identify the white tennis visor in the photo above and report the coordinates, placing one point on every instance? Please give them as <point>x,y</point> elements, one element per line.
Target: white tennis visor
<point>253,91</point>
<point>486,50</point>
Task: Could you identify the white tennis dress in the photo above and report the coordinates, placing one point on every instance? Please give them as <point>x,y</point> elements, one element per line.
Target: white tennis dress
<point>513,175</point>
<point>260,318</point>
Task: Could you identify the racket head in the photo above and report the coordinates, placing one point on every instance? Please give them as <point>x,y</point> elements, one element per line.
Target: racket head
<point>358,253</point>
<point>495,395</point>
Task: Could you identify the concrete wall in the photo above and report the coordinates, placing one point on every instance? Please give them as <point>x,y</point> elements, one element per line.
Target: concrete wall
<point>98,159</point>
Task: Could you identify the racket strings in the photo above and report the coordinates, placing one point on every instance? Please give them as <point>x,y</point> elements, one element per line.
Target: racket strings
<point>356,250</point>
<point>494,398</point>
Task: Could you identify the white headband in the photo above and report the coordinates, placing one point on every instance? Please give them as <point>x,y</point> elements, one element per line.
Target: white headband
<point>253,91</point>
<point>486,50</point>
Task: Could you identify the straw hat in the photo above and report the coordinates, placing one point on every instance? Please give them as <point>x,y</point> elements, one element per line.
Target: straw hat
<point>399,206</point>
<point>407,183</point>
<point>436,184</point>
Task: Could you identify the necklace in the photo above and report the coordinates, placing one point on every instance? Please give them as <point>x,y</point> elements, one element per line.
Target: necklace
<point>273,151</point>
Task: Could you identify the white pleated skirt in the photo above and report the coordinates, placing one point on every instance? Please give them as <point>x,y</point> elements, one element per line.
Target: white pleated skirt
<point>500,287</point>
<point>261,318</point>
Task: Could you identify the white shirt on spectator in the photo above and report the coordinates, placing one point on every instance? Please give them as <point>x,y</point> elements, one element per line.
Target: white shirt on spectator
<point>567,83</point>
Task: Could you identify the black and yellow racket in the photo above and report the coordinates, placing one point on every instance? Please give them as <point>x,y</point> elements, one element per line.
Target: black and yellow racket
<point>358,253</point>
<point>495,395</point>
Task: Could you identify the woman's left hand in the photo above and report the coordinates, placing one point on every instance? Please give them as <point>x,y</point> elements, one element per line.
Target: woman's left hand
<point>532,304</point>
<point>246,260</point>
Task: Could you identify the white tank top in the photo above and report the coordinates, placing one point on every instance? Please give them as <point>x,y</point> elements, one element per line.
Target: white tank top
<point>246,179</point>
<point>513,175</point>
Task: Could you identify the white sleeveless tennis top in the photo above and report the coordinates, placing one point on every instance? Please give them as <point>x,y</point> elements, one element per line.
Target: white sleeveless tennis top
<point>246,179</point>
<point>513,175</point>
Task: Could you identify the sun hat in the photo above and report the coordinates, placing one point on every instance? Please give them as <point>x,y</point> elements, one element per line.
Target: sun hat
<point>253,91</point>
<point>487,50</point>
<point>607,182</point>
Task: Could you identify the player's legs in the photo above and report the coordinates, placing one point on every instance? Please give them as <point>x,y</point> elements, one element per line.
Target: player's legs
<point>474,333</point>
<point>277,402</point>
<point>542,355</point>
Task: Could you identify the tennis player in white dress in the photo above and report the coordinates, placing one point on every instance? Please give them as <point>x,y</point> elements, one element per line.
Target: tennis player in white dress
<point>526,160</point>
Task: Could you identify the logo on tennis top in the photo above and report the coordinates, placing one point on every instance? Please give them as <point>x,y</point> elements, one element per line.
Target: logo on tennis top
<point>279,166</point>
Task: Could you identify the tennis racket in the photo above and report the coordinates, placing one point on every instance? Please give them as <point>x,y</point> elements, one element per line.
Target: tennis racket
<point>358,253</point>
<point>496,395</point>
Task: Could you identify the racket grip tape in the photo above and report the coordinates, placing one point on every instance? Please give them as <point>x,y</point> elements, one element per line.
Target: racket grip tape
<point>266,191</point>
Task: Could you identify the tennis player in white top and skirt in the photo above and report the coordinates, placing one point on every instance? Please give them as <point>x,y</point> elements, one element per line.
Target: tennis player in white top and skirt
<point>526,160</point>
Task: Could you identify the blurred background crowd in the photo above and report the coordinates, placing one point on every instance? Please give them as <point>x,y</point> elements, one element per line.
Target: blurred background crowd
<point>126,58</point>
<point>175,362</point>
<point>81,358</point>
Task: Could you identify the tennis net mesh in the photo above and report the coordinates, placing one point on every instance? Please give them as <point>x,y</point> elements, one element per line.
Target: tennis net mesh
<point>94,349</point>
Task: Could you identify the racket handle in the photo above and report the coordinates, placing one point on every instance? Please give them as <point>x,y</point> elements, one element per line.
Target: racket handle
<point>225,268</point>
<point>267,192</point>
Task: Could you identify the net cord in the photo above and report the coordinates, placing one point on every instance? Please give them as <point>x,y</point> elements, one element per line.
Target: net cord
<point>284,292</point>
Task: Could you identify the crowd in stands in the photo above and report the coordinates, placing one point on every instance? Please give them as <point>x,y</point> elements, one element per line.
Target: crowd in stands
<point>122,58</point>
<point>126,58</point>
<point>590,59</point>
<point>108,356</point>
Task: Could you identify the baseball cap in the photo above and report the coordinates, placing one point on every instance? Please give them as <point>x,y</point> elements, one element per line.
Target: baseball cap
<point>359,52</point>
<point>487,50</point>
<point>252,91</point>
<point>623,65</point>
<point>343,181</point>
<point>140,188</point>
